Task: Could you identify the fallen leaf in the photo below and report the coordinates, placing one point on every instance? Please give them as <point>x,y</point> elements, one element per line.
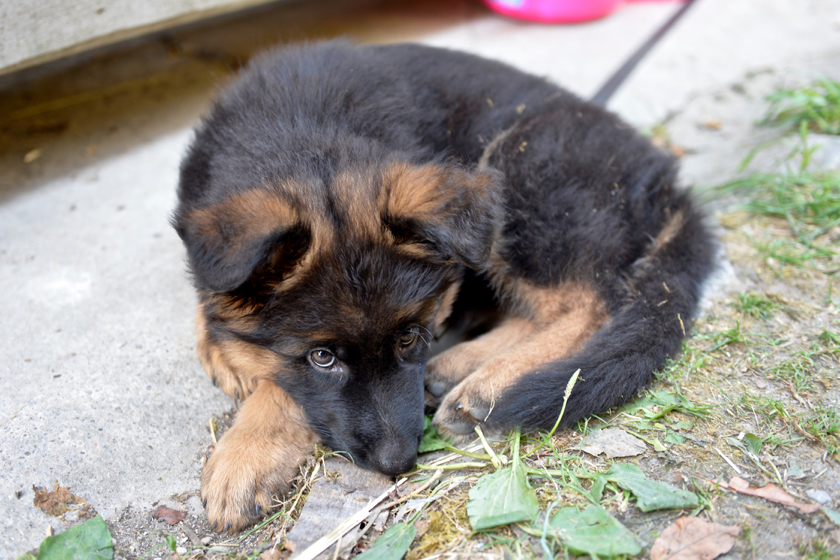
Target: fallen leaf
<point>692,538</point>
<point>769,492</point>
<point>273,554</point>
<point>392,544</point>
<point>89,540</point>
<point>171,516</point>
<point>56,502</point>
<point>613,442</point>
<point>595,532</point>
<point>677,151</point>
<point>650,494</point>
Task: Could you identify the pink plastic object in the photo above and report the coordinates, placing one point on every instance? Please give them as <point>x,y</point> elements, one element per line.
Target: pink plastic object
<point>554,11</point>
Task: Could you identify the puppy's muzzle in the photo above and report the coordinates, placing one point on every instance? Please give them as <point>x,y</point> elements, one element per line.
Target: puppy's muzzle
<point>394,457</point>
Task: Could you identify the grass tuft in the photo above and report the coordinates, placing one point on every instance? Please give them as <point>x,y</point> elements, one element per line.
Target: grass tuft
<point>817,106</point>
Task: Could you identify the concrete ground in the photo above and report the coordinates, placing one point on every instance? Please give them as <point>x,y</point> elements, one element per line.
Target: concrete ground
<point>101,388</point>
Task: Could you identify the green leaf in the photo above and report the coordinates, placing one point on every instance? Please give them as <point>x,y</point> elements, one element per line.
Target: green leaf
<point>833,515</point>
<point>674,437</point>
<point>90,540</point>
<point>432,441</point>
<point>392,544</point>
<point>754,443</point>
<point>595,532</point>
<point>650,495</point>
<point>503,497</point>
<point>597,490</point>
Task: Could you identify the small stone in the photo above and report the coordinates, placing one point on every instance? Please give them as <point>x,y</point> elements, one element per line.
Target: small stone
<point>205,541</point>
<point>181,550</point>
<point>820,496</point>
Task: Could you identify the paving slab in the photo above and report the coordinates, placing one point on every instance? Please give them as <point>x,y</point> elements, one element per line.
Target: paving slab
<point>101,388</point>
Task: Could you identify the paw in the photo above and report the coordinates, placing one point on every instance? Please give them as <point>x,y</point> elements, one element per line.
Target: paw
<point>464,407</point>
<point>237,491</point>
<point>445,371</point>
<point>461,362</point>
<point>256,460</point>
<point>229,381</point>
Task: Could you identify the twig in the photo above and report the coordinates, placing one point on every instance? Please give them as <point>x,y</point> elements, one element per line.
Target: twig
<point>191,534</point>
<point>456,466</point>
<point>212,423</point>
<point>327,540</point>
<point>417,492</point>
<point>725,458</point>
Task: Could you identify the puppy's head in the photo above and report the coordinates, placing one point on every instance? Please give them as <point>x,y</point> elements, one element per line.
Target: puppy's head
<point>343,281</point>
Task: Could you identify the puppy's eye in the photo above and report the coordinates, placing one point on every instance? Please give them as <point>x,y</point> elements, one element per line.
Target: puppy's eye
<point>408,338</point>
<point>322,358</point>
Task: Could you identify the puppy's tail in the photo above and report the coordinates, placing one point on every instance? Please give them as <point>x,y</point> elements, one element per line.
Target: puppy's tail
<point>646,330</point>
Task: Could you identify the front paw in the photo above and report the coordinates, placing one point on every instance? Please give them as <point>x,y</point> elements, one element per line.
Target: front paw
<point>460,412</point>
<point>445,371</point>
<point>238,489</point>
<point>256,460</point>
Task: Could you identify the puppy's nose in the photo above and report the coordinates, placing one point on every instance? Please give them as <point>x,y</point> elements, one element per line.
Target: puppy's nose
<point>393,459</point>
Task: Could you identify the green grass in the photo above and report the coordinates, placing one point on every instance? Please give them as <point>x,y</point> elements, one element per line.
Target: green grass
<point>799,371</point>
<point>756,306</point>
<point>824,424</point>
<point>817,106</point>
<point>809,202</point>
<point>816,549</point>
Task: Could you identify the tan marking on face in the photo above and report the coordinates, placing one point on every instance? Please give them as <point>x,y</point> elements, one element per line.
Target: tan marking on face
<point>234,365</point>
<point>446,302</point>
<point>414,191</point>
<point>257,458</point>
<point>243,218</point>
<point>423,192</point>
<point>355,192</point>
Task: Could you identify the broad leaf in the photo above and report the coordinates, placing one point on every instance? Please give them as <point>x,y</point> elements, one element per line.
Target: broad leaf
<point>595,532</point>
<point>650,495</point>
<point>503,497</point>
<point>90,540</point>
<point>392,544</point>
<point>432,441</point>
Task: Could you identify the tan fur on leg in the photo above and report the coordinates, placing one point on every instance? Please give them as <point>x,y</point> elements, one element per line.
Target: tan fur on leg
<point>564,318</point>
<point>233,365</point>
<point>446,370</point>
<point>256,459</point>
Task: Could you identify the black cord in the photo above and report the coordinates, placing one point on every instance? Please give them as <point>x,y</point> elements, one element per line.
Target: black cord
<point>609,88</point>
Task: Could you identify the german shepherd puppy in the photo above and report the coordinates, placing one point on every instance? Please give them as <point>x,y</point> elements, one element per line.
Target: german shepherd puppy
<point>341,204</point>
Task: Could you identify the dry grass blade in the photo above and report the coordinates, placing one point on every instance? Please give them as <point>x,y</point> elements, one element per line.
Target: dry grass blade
<point>327,540</point>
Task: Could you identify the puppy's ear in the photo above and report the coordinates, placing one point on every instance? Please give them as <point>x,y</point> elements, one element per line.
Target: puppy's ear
<point>228,241</point>
<point>458,211</point>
